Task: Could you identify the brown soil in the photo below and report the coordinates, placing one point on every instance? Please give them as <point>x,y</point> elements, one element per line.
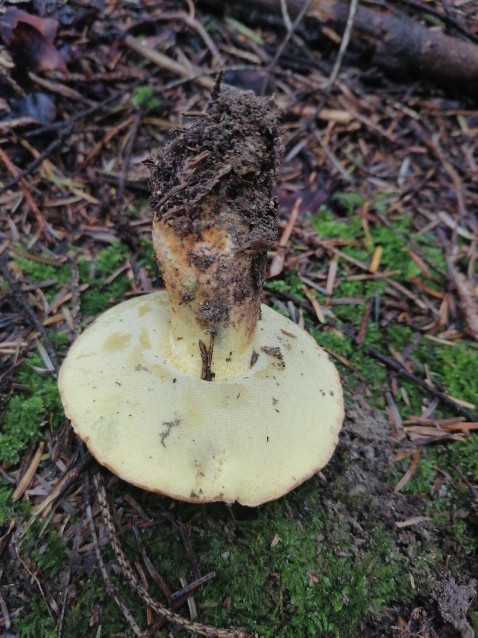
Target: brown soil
<point>358,469</point>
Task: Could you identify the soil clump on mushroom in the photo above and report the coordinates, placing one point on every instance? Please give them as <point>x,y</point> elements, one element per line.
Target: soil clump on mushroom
<point>215,180</point>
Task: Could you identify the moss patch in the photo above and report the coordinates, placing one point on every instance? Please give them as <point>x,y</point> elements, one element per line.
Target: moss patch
<point>36,406</point>
<point>100,295</point>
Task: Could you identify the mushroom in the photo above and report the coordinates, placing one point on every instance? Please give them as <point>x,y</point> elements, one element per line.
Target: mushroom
<point>200,393</point>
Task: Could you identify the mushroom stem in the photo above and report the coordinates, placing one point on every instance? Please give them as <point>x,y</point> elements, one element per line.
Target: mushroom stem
<point>215,297</point>
<point>214,220</point>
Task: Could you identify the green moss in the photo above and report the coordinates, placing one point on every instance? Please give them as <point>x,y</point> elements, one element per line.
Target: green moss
<point>92,600</point>
<point>290,283</point>
<point>27,413</point>
<point>279,575</point>
<point>49,555</point>
<point>144,97</point>
<point>454,367</point>
<point>34,272</point>
<point>94,272</point>
<point>60,340</point>
<point>44,555</point>
<point>37,272</point>
<point>396,246</point>
<point>6,491</point>
<point>147,257</point>
<point>99,296</point>
<point>23,420</point>
<point>36,621</point>
<point>283,578</point>
<point>349,201</point>
<point>433,253</point>
<point>333,340</point>
<point>450,512</point>
<point>393,239</point>
<point>328,227</point>
<point>110,258</point>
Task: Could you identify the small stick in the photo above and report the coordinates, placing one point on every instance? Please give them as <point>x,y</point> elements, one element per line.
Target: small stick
<point>178,597</point>
<point>410,472</point>
<point>343,45</point>
<point>278,260</point>
<point>29,474</point>
<point>62,486</point>
<point>175,619</point>
<point>364,323</point>
<point>127,156</point>
<point>155,575</point>
<point>399,369</point>
<point>19,298</point>
<point>110,588</point>
<point>285,42</point>
<point>19,175</point>
<point>183,532</point>
<point>15,171</point>
<point>64,603</point>
<point>285,15</point>
<point>191,21</point>
<point>166,63</point>
<point>75,296</point>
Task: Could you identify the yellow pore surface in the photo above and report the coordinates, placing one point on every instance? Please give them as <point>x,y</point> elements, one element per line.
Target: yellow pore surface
<point>250,439</point>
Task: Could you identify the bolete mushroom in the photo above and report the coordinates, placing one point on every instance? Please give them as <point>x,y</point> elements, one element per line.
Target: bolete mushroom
<point>201,393</point>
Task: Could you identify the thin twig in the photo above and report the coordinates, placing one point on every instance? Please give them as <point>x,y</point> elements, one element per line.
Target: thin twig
<point>286,16</point>
<point>136,585</point>
<point>66,481</point>
<point>75,295</point>
<point>110,587</point>
<point>33,165</point>
<point>127,156</point>
<point>191,21</point>
<point>18,297</point>
<point>285,42</point>
<point>167,63</point>
<point>64,604</point>
<point>399,369</point>
<point>343,45</point>
<point>15,171</point>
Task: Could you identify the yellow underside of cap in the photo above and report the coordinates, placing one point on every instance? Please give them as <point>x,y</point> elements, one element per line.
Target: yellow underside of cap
<point>249,440</point>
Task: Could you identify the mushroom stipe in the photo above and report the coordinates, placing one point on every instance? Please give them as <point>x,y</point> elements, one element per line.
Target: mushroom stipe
<point>200,393</point>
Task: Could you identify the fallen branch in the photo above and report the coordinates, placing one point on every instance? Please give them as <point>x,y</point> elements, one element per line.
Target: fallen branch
<point>388,39</point>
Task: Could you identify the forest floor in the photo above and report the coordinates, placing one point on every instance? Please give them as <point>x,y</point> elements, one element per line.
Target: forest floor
<point>377,258</point>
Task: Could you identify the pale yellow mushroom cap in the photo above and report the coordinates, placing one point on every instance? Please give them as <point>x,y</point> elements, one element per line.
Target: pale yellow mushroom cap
<point>249,439</point>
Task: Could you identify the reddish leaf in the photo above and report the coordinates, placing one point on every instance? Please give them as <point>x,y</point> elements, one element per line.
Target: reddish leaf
<point>10,19</point>
<point>29,38</point>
